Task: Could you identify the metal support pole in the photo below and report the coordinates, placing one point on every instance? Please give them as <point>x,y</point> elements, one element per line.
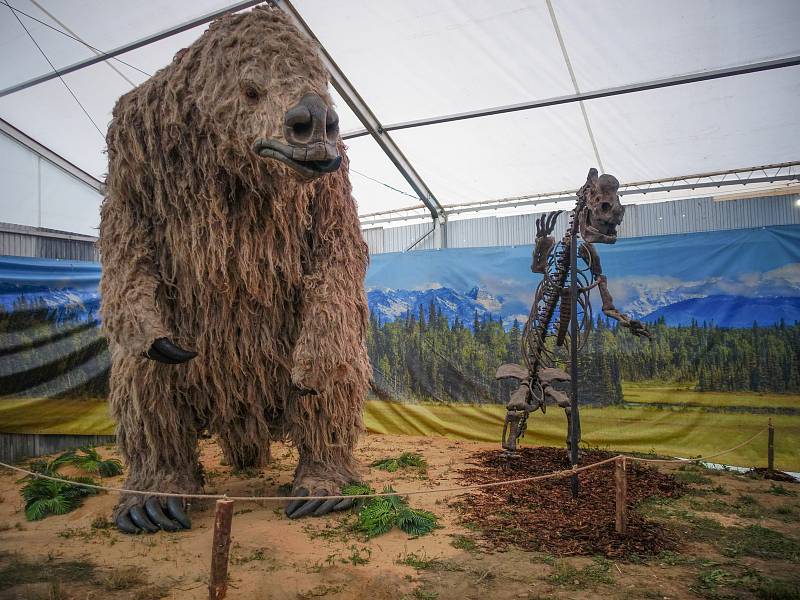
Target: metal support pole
<point>575,419</point>
<point>771,447</point>
<point>440,232</point>
<point>621,485</point>
<point>218,583</point>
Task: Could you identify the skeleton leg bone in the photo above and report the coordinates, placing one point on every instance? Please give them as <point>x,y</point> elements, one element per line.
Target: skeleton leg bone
<point>637,327</point>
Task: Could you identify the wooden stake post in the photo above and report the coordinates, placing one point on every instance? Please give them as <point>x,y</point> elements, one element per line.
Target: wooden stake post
<point>218,584</point>
<point>621,481</point>
<point>771,447</point>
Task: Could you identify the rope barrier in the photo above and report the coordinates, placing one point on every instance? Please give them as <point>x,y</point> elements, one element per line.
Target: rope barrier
<point>458,489</point>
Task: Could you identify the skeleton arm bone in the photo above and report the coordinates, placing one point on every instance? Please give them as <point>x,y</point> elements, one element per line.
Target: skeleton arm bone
<point>637,327</point>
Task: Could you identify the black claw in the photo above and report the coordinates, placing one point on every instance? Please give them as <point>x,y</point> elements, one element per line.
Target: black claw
<point>307,508</point>
<point>295,504</point>
<point>163,350</point>
<point>345,504</point>
<point>326,507</point>
<point>140,519</point>
<point>157,516</point>
<point>155,355</point>
<point>125,525</point>
<point>175,510</point>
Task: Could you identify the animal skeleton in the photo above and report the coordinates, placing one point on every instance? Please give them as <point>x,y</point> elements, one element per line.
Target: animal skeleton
<point>595,218</point>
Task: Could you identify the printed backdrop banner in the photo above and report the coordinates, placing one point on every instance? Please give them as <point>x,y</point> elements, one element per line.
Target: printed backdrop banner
<point>724,308</point>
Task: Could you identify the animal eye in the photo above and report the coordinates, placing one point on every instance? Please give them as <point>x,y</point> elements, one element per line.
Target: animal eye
<point>251,93</point>
<point>605,206</point>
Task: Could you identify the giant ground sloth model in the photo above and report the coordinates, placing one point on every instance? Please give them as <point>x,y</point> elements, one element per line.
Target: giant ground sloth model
<point>233,269</point>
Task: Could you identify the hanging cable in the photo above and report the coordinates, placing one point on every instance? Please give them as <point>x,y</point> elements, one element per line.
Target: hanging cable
<point>77,39</point>
<point>385,184</point>
<point>71,93</point>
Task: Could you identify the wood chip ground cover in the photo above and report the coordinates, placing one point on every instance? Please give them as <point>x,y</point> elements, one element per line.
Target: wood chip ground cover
<point>543,516</point>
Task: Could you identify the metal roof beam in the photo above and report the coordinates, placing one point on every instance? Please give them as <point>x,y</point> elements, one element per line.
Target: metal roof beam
<point>791,61</point>
<point>155,37</point>
<point>788,171</point>
<point>368,118</point>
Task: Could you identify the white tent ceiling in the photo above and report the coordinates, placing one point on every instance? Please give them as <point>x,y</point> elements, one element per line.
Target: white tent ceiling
<point>418,59</point>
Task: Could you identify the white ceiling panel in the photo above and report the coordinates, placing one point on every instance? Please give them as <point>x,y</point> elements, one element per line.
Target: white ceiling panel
<point>501,156</point>
<point>618,42</point>
<point>417,58</point>
<point>715,125</point>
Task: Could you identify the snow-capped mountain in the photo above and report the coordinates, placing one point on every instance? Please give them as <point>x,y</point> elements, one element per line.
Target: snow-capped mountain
<point>388,304</point>
<point>729,311</point>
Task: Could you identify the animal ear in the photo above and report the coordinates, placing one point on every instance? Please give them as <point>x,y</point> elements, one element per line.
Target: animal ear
<point>591,178</point>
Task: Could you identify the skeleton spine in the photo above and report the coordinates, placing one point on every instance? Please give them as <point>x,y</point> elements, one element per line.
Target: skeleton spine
<point>553,287</point>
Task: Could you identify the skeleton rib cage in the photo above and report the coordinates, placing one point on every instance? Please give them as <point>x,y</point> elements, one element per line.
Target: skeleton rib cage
<point>596,215</point>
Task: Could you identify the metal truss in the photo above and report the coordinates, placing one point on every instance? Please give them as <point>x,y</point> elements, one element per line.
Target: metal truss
<point>774,173</point>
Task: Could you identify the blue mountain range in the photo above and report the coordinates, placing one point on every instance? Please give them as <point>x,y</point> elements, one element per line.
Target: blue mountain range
<point>729,311</point>
<point>721,310</point>
<point>388,304</point>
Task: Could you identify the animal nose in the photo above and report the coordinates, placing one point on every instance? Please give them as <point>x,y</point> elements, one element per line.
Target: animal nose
<point>311,122</point>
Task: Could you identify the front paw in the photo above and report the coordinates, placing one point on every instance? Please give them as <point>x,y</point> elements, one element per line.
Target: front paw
<point>150,515</point>
<point>310,502</point>
<point>639,329</point>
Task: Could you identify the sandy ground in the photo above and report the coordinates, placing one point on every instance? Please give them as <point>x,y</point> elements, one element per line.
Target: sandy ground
<point>274,557</point>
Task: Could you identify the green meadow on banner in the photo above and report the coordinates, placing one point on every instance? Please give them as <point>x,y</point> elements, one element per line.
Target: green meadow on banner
<point>724,308</point>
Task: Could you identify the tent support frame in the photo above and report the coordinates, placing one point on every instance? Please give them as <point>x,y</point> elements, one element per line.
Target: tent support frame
<point>374,127</point>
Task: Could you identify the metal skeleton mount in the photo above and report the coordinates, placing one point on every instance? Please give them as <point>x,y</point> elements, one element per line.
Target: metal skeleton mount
<point>595,218</point>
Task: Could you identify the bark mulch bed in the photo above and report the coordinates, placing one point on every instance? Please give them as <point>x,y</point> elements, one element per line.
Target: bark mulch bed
<point>543,516</point>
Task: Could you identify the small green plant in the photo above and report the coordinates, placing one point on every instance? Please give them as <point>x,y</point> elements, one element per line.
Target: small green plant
<point>358,556</point>
<point>777,489</point>
<point>710,580</point>
<point>775,589</point>
<point>691,476</point>
<point>407,460</point>
<point>384,513</point>
<point>760,542</point>
<point>568,575</point>
<point>45,497</point>
<point>87,459</point>
<point>123,579</point>
<point>463,542</point>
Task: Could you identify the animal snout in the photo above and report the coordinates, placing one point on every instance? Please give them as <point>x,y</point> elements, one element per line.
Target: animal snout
<point>311,124</point>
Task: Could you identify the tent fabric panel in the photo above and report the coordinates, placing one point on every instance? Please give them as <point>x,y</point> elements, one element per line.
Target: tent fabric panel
<point>19,199</point>
<point>367,161</point>
<point>618,42</point>
<point>715,125</point>
<point>503,155</point>
<point>67,204</point>
<point>416,59</point>
<point>104,25</point>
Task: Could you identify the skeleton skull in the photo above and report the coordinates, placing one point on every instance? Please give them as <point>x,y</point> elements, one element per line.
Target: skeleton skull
<point>603,212</point>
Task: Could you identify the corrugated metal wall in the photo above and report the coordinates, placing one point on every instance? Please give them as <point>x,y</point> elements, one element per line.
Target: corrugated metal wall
<point>660,218</point>
<point>20,240</point>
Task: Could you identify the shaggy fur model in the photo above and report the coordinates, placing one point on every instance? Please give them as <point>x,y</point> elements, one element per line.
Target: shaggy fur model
<point>238,257</point>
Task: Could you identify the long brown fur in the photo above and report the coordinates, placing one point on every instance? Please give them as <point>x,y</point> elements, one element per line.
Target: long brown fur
<point>236,257</point>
